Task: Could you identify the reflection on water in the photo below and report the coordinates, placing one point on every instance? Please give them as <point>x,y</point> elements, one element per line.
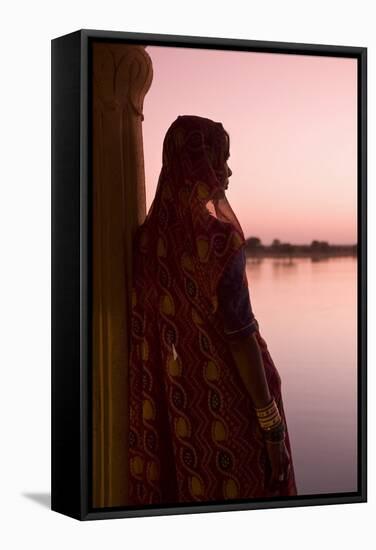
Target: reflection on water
<point>307,313</point>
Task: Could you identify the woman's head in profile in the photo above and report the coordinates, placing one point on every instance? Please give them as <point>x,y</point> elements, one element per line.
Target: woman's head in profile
<point>196,146</point>
<point>195,172</point>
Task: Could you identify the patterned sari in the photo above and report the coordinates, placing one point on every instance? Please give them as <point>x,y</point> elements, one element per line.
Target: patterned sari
<point>194,435</point>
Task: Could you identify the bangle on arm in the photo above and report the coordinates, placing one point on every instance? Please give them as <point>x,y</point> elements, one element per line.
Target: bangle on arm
<point>271,422</point>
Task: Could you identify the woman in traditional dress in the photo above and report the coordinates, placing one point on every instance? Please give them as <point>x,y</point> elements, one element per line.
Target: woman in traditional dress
<point>206,414</point>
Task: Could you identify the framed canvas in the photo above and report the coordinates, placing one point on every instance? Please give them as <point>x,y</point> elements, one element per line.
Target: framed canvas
<point>209,274</point>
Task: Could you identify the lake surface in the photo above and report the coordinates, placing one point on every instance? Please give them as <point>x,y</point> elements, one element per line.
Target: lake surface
<point>307,313</point>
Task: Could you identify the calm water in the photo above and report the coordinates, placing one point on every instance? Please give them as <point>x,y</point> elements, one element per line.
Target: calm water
<point>307,312</point>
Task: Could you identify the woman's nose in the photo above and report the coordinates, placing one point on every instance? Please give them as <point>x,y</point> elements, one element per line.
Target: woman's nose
<point>229,171</point>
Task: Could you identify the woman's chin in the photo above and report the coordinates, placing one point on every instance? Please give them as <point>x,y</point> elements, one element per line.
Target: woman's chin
<point>220,194</point>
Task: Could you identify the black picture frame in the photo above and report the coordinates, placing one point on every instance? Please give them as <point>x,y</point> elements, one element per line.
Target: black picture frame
<point>71,286</point>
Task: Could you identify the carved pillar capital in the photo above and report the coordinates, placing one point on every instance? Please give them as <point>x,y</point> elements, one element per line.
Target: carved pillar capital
<point>121,77</point>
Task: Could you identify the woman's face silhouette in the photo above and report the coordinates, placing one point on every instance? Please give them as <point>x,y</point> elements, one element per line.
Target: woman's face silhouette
<point>228,173</point>
<point>224,175</point>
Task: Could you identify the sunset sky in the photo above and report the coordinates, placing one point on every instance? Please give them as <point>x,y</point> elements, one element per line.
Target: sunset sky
<point>292,122</point>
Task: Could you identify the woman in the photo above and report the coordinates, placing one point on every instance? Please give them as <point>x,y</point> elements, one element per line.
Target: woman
<point>206,413</point>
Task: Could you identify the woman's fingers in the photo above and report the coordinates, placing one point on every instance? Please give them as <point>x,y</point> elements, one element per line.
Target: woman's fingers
<point>287,464</point>
<point>280,463</point>
<point>275,454</point>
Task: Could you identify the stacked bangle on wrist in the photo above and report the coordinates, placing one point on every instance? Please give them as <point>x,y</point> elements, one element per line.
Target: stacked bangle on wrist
<point>271,422</point>
<point>277,435</point>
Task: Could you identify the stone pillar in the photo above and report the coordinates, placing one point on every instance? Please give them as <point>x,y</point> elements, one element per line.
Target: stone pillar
<point>122,75</point>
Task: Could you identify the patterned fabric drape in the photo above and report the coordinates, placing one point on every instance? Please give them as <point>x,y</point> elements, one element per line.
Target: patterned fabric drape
<point>193,433</point>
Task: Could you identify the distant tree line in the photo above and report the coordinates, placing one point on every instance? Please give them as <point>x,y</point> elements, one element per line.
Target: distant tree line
<point>254,246</point>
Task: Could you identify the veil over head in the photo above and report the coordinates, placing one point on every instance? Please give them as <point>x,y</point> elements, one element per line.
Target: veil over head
<point>191,217</point>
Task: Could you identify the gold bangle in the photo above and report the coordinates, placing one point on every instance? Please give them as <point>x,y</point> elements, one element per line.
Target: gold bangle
<point>272,425</point>
<point>271,415</point>
<point>276,435</point>
<point>261,409</point>
<point>266,414</point>
<point>269,411</point>
<point>275,414</point>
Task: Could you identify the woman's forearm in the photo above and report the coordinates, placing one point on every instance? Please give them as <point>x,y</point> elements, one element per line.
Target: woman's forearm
<point>248,358</point>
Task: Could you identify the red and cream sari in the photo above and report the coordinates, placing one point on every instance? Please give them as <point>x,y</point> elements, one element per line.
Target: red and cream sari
<point>194,436</point>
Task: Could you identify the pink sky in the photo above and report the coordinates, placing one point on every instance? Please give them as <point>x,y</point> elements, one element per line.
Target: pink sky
<point>292,121</point>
